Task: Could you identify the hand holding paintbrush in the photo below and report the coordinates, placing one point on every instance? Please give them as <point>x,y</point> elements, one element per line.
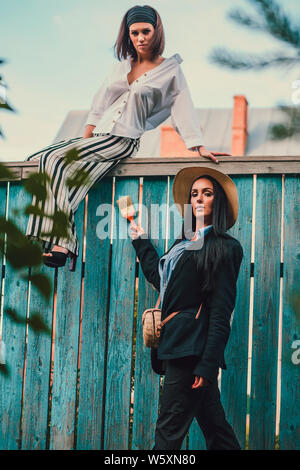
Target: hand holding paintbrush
<point>136,230</point>
<point>127,211</point>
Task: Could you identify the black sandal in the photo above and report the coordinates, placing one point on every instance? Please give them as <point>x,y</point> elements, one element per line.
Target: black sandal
<point>58,260</point>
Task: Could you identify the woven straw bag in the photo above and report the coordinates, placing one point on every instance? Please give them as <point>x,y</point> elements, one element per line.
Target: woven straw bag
<point>152,324</point>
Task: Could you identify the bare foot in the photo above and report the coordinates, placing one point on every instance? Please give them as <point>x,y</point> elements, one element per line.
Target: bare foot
<point>57,248</point>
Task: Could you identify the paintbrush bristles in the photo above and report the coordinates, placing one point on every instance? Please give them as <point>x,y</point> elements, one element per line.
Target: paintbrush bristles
<point>126,206</point>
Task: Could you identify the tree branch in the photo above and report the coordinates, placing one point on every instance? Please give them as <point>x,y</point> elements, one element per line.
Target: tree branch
<point>237,61</point>
<point>276,22</point>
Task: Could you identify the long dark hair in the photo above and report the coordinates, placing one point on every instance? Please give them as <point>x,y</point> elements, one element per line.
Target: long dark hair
<point>214,250</point>
<point>123,46</point>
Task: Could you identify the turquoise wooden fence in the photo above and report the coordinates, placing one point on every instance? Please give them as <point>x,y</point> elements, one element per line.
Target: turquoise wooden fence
<point>89,385</point>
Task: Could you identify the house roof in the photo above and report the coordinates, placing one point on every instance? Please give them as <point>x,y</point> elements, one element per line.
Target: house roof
<point>217,129</point>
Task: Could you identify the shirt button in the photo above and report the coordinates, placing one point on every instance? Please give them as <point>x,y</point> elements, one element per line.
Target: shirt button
<point>136,80</point>
<point>145,74</point>
<point>114,121</point>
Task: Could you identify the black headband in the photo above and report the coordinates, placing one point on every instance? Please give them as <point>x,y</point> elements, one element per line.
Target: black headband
<point>141,14</point>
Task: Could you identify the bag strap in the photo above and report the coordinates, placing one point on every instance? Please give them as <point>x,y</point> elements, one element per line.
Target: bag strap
<point>175,313</point>
<point>198,313</point>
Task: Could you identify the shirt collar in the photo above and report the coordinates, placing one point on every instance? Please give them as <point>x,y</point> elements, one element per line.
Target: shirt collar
<point>203,230</point>
<point>175,57</point>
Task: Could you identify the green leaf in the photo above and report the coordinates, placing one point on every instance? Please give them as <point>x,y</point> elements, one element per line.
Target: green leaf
<point>4,370</point>
<point>13,315</point>
<point>41,282</point>
<point>280,131</point>
<point>295,304</point>
<point>37,324</point>
<point>20,251</point>
<point>71,156</point>
<point>6,173</point>
<point>30,209</point>
<point>23,256</point>
<point>6,106</point>
<point>80,178</point>
<point>13,232</point>
<point>60,226</point>
<point>35,184</point>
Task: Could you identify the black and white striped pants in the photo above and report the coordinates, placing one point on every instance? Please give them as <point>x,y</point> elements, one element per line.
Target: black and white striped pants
<point>96,155</point>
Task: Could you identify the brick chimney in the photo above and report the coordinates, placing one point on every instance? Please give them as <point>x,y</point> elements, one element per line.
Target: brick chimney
<point>239,126</point>
<point>172,145</point>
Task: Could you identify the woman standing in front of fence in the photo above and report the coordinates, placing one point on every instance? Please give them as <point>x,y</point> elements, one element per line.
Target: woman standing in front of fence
<point>201,267</point>
<point>140,92</point>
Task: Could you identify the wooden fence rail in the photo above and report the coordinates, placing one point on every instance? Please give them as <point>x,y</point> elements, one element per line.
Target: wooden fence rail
<point>89,385</point>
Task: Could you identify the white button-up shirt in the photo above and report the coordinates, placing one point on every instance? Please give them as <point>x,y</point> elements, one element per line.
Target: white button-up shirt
<point>130,110</point>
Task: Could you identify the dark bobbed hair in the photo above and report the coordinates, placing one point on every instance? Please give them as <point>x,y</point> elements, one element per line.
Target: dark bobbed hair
<point>214,250</point>
<point>123,46</point>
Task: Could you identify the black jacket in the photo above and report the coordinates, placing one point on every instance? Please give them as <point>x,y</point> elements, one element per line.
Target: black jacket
<point>183,335</point>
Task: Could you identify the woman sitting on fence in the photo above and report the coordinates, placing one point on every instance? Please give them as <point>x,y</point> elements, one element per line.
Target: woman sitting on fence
<point>139,93</point>
<point>201,268</point>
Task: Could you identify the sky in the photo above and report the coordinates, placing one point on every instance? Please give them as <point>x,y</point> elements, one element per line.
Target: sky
<point>57,53</point>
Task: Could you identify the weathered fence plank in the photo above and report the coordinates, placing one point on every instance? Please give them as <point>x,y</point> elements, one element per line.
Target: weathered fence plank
<point>36,392</point>
<point>3,194</point>
<point>146,382</point>
<point>230,165</point>
<point>120,333</point>
<point>265,313</point>
<point>164,166</point>
<point>62,432</point>
<point>15,298</point>
<point>93,336</point>
<point>289,430</point>
<point>234,379</point>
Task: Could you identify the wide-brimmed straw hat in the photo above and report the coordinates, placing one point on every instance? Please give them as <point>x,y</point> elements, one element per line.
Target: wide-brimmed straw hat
<point>183,182</point>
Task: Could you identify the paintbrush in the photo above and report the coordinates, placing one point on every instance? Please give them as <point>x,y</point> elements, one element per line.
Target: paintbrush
<point>126,207</point>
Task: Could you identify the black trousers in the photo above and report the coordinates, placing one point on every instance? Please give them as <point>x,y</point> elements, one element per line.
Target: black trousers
<point>180,404</point>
